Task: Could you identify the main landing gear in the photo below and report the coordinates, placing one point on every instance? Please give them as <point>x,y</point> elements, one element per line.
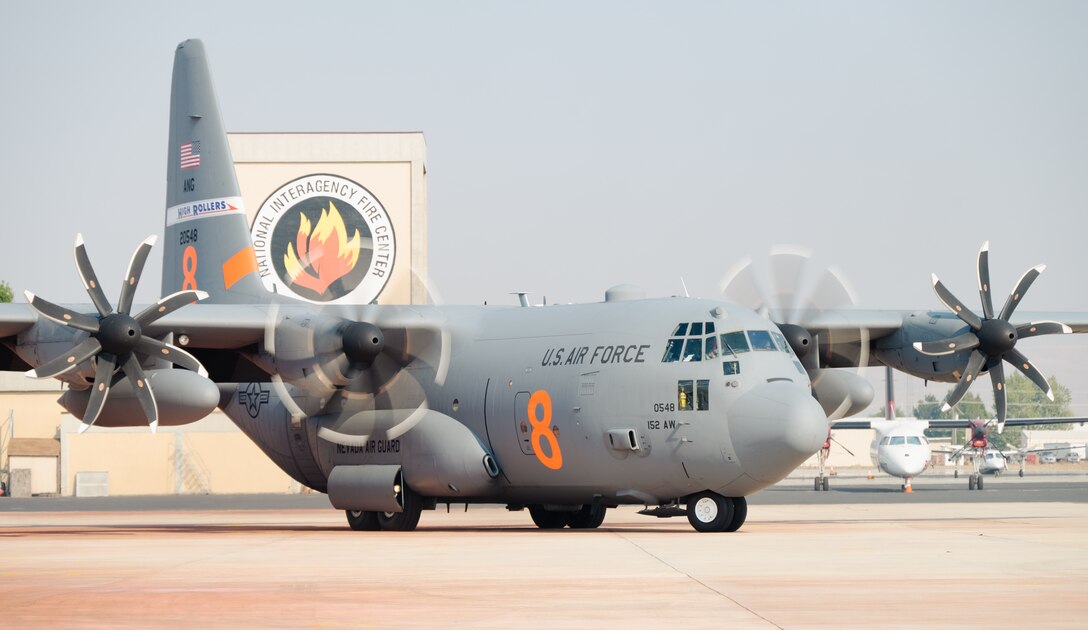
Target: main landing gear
<point>711,512</point>
<point>589,516</point>
<point>403,521</point>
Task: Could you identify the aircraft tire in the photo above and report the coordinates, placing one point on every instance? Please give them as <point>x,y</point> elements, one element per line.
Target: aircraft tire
<point>971,482</point>
<point>362,521</point>
<point>955,474</point>
<point>826,484</point>
<point>1021,473</point>
<point>710,512</point>
<point>406,520</point>
<point>586,518</point>
<point>978,485</point>
<point>740,513</point>
<point>548,520</point>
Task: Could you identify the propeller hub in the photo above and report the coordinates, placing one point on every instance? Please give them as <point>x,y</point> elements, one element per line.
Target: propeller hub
<point>996,337</point>
<point>118,333</point>
<point>798,338</point>
<point>362,342</point>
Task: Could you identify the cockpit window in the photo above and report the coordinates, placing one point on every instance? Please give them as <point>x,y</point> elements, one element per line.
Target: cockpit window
<point>693,349</point>
<point>681,330</point>
<point>734,342</point>
<point>884,442</point>
<point>696,329</point>
<point>710,328</point>
<point>913,439</point>
<point>898,440</point>
<point>672,350</point>
<point>730,368</point>
<point>761,340</point>
<point>711,347</point>
<point>781,342</point>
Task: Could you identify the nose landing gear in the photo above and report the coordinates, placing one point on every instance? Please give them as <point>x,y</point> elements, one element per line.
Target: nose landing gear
<point>711,512</point>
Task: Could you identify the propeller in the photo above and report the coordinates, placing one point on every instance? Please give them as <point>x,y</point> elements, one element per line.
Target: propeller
<point>991,339</point>
<point>792,291</point>
<point>115,339</point>
<point>365,357</point>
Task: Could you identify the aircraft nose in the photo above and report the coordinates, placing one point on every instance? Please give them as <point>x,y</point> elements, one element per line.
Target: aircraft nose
<point>774,428</point>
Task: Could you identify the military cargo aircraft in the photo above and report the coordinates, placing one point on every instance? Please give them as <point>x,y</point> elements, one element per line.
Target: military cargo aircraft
<point>566,410</point>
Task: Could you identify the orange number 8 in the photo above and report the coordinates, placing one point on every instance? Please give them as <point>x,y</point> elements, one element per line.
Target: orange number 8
<point>188,268</point>
<point>540,398</point>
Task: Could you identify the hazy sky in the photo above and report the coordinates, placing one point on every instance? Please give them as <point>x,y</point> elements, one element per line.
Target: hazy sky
<point>573,146</point>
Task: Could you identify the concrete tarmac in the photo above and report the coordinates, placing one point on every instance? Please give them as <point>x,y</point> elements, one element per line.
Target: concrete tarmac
<point>807,563</point>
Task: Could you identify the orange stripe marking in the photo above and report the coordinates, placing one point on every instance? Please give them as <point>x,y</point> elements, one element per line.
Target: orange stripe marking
<point>238,266</point>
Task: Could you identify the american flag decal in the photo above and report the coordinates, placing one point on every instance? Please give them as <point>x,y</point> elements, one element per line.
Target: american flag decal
<point>190,154</point>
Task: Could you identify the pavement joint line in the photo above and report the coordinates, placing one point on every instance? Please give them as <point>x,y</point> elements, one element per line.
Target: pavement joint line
<point>695,579</point>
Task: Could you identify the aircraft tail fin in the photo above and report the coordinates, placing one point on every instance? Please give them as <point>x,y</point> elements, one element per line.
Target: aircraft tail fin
<point>207,244</point>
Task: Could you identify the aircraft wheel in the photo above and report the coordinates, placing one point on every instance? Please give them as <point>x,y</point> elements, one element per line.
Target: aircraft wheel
<point>362,521</point>
<point>816,484</point>
<point>406,520</point>
<point>710,512</point>
<point>978,484</point>
<point>586,518</point>
<point>1021,473</point>
<point>971,482</point>
<point>956,474</point>
<point>740,512</point>
<point>548,520</point>
<point>826,484</point>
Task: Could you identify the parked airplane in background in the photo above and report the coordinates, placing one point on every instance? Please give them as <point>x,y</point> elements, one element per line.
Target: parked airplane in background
<point>901,449</point>
<point>564,410</point>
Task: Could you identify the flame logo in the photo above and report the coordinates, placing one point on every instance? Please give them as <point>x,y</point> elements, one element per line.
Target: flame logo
<point>324,253</point>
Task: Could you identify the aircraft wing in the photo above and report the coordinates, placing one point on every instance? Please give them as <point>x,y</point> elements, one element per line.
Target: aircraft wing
<point>853,424</point>
<point>1010,422</point>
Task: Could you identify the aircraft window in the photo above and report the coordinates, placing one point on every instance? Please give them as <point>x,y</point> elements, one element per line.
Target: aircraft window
<point>672,350</point>
<point>681,330</point>
<point>913,439</point>
<point>730,367</point>
<point>709,328</point>
<point>693,350</point>
<point>711,347</point>
<point>898,440</point>
<point>734,342</point>
<point>684,395</point>
<point>761,340</point>
<point>696,329</point>
<point>780,341</point>
<point>885,441</point>
<point>702,395</point>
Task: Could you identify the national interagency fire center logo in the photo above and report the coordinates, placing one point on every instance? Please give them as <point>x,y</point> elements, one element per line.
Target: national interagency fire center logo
<point>324,238</point>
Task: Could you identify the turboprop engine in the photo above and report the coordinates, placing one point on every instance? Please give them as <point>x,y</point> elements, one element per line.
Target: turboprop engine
<point>840,392</point>
<point>181,397</point>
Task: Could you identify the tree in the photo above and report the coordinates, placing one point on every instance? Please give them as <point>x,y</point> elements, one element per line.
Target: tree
<point>5,292</point>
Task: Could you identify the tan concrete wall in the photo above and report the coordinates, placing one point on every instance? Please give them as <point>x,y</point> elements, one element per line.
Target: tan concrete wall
<point>43,473</point>
<point>235,465</point>
<point>138,463</point>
